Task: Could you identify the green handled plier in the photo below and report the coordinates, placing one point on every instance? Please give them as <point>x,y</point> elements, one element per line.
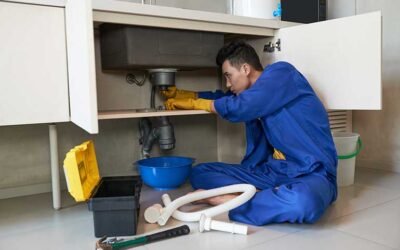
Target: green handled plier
<point>171,233</point>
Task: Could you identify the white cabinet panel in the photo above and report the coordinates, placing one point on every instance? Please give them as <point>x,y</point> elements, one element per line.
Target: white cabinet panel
<point>341,58</point>
<point>81,64</point>
<point>33,65</point>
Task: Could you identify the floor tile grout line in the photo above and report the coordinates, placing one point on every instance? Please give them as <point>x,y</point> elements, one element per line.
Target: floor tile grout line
<point>363,209</point>
<point>41,227</point>
<point>376,188</point>
<point>333,220</point>
<point>272,239</point>
<point>334,229</point>
<point>357,236</point>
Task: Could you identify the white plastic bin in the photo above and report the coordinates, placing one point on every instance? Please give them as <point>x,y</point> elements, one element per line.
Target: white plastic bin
<point>348,145</point>
<point>253,8</point>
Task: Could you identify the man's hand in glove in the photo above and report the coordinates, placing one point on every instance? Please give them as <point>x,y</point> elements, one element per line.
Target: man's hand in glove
<point>173,92</point>
<point>190,103</point>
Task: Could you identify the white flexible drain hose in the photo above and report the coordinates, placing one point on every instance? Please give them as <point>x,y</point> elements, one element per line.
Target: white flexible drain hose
<point>157,213</point>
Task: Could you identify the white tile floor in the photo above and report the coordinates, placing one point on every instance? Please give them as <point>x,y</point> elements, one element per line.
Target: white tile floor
<point>366,216</point>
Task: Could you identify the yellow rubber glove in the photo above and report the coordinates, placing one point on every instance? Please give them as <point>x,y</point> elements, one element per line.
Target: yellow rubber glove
<point>173,92</point>
<point>278,155</point>
<point>188,103</point>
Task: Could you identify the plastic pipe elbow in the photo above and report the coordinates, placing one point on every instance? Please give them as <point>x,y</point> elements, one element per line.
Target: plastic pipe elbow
<point>208,224</point>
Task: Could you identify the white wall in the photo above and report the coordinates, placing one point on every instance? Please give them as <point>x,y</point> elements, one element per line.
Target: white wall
<point>340,8</point>
<point>203,5</point>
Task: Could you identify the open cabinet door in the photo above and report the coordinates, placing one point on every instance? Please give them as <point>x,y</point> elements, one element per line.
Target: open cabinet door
<point>341,59</point>
<point>81,64</point>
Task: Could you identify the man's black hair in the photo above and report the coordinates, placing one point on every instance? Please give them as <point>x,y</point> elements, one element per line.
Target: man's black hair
<point>237,53</point>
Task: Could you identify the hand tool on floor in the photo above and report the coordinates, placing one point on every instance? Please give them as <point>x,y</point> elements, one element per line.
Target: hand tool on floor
<point>101,244</point>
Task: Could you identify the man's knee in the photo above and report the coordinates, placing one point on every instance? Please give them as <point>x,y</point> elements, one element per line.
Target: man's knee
<point>199,174</point>
<point>200,169</point>
<point>310,205</point>
<point>213,175</point>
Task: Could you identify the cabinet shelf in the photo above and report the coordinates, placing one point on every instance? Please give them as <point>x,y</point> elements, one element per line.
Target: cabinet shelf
<point>112,11</point>
<point>123,114</point>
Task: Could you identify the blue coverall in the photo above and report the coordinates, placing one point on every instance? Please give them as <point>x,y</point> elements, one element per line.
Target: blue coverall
<point>281,112</point>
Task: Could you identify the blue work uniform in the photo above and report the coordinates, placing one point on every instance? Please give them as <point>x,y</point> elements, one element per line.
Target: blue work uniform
<point>282,114</point>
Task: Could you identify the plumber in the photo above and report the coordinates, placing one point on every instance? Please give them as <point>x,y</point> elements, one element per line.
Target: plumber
<point>290,156</point>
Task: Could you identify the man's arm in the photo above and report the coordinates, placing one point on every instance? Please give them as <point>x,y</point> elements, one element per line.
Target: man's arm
<point>212,107</point>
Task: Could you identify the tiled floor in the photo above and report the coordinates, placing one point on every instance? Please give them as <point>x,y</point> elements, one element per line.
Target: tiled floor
<point>366,216</point>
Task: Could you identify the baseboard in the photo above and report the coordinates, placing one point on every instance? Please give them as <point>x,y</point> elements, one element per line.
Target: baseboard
<point>27,190</point>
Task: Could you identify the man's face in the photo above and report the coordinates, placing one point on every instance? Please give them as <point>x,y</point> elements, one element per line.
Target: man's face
<point>237,79</point>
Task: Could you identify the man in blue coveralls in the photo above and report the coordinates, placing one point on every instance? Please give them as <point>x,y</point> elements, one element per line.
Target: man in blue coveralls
<point>290,157</point>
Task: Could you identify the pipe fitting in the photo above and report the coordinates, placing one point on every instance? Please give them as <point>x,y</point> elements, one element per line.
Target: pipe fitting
<point>153,213</point>
<point>207,224</point>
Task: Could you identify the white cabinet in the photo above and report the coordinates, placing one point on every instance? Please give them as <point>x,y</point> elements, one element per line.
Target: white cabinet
<point>341,58</point>
<point>33,64</point>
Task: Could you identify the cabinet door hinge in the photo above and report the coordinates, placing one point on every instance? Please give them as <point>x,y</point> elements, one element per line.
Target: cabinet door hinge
<point>270,47</point>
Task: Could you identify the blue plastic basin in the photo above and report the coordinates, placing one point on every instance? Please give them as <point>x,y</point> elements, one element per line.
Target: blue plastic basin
<point>164,173</point>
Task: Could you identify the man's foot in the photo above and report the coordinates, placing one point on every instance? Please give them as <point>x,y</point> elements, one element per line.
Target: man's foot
<point>216,200</point>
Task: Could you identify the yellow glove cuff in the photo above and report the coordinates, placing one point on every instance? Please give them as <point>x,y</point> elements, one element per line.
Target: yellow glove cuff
<point>183,94</point>
<point>202,104</point>
<point>173,92</point>
<point>188,103</point>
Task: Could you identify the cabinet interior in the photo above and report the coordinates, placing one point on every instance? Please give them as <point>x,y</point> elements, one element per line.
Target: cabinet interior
<point>116,96</point>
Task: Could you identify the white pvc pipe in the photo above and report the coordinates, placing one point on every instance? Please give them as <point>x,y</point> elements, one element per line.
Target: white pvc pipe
<point>208,224</point>
<point>171,206</point>
<point>55,171</point>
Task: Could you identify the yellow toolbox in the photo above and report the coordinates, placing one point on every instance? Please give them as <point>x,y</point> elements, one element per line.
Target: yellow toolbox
<point>114,201</point>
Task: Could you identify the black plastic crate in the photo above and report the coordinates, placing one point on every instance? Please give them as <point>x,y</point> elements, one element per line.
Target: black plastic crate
<point>115,206</point>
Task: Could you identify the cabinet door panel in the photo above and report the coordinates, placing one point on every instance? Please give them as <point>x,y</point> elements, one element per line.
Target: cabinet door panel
<point>81,64</point>
<point>341,58</point>
<point>33,65</point>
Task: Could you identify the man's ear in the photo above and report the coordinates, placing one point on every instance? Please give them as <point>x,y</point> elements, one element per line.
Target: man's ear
<point>246,68</point>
